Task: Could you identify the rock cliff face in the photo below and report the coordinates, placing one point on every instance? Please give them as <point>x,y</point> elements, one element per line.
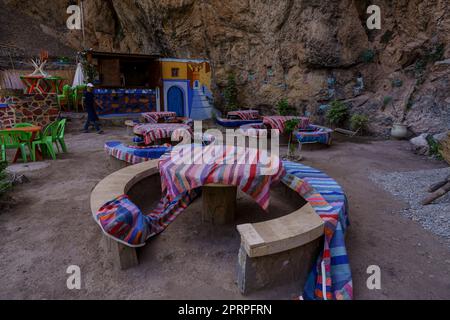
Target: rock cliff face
<point>288,48</point>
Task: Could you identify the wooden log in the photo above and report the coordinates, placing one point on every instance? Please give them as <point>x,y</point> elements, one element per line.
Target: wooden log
<point>438,185</point>
<point>219,204</point>
<point>437,194</point>
<point>346,132</point>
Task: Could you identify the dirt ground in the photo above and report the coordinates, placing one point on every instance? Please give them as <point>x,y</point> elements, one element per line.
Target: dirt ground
<point>51,228</point>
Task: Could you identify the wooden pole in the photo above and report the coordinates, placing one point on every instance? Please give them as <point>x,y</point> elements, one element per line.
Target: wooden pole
<point>437,194</point>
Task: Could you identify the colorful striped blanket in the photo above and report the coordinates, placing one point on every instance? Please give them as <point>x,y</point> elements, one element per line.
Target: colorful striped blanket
<point>157,131</point>
<point>315,134</point>
<point>279,122</point>
<point>153,117</point>
<point>122,220</point>
<point>134,154</point>
<point>330,202</point>
<point>245,114</point>
<point>187,168</point>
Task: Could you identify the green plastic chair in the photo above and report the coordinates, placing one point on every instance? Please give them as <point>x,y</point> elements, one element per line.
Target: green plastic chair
<point>65,97</point>
<point>60,132</point>
<point>77,96</point>
<point>46,140</point>
<point>12,140</point>
<point>2,152</point>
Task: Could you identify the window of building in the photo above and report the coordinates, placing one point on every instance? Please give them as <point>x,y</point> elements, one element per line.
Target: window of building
<point>175,72</point>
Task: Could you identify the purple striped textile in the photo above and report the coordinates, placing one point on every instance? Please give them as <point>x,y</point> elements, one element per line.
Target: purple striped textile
<point>279,122</point>
<point>157,131</point>
<point>245,114</point>
<point>188,167</point>
<point>153,117</point>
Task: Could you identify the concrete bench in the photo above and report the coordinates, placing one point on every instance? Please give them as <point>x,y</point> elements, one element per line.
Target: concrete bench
<point>273,252</point>
<point>279,251</point>
<point>115,185</point>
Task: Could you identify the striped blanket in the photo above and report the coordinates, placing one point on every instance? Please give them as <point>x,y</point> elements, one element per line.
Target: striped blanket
<point>134,154</point>
<point>157,131</point>
<point>188,168</point>
<point>279,122</point>
<point>314,134</point>
<point>122,220</point>
<point>153,117</point>
<point>330,202</point>
<point>245,114</point>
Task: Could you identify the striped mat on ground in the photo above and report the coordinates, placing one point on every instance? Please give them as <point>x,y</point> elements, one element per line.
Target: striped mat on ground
<point>314,134</point>
<point>134,154</point>
<point>279,122</point>
<point>329,201</point>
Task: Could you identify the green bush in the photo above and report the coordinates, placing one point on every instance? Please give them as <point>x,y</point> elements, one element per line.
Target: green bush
<point>367,56</point>
<point>231,94</point>
<point>337,113</point>
<point>359,122</point>
<point>386,101</point>
<point>284,109</point>
<point>291,125</point>
<point>5,185</point>
<point>435,148</point>
<point>289,128</point>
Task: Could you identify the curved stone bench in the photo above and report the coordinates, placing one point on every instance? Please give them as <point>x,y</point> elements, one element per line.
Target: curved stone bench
<point>115,185</point>
<point>120,155</point>
<point>279,251</point>
<point>314,134</point>
<point>272,252</point>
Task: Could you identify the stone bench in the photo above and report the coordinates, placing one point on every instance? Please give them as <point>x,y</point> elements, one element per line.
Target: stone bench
<point>279,251</point>
<point>272,253</point>
<point>115,185</point>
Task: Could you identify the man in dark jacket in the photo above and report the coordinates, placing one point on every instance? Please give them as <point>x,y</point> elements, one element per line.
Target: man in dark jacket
<point>89,105</point>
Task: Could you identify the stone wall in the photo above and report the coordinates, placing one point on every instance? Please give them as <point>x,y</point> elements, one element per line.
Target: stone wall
<point>37,109</point>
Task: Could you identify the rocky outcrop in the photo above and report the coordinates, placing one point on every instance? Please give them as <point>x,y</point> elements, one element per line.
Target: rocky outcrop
<point>287,48</point>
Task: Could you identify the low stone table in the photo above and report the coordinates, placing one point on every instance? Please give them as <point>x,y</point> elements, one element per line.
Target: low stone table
<point>219,204</point>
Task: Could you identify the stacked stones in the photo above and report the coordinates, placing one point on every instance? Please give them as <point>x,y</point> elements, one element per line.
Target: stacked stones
<point>38,109</point>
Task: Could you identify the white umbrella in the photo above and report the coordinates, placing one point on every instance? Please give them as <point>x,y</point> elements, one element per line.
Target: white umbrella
<point>79,77</point>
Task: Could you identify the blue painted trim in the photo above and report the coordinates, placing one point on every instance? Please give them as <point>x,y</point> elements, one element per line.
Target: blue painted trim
<point>190,99</point>
<point>185,94</point>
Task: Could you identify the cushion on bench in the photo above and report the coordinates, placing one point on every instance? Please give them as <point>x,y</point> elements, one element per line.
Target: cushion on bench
<point>134,154</point>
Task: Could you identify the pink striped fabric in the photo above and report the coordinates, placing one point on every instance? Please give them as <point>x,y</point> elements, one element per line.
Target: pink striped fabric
<point>245,114</point>
<point>279,122</point>
<point>189,167</point>
<point>153,132</point>
<point>153,117</point>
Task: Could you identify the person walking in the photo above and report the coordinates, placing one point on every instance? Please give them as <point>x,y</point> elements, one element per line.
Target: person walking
<point>89,104</point>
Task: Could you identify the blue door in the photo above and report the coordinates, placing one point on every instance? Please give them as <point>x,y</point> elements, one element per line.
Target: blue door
<point>175,101</point>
